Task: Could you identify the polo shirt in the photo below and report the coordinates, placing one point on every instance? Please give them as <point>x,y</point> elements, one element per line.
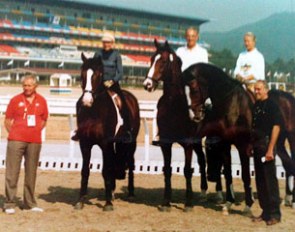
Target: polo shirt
<point>18,109</point>
<point>192,56</point>
<point>251,63</point>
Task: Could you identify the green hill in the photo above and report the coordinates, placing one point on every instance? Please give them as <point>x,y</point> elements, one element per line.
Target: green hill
<point>275,37</point>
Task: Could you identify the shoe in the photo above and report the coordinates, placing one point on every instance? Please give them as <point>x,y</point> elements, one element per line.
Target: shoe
<point>35,209</point>
<point>9,211</point>
<point>272,221</point>
<point>257,219</point>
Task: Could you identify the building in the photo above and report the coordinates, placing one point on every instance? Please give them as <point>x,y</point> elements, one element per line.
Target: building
<point>48,36</point>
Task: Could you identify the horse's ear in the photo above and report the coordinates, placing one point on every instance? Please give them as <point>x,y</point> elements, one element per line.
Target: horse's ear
<point>83,57</point>
<point>166,44</point>
<point>156,43</point>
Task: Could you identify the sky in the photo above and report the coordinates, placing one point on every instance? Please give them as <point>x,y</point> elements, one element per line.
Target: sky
<point>224,15</point>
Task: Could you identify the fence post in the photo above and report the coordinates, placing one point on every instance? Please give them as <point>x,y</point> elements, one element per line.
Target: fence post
<point>146,141</point>
<point>72,143</point>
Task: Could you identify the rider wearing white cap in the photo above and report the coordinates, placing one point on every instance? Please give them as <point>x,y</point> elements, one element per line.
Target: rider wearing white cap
<point>112,74</point>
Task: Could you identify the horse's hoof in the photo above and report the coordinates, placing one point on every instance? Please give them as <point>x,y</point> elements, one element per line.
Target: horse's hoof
<point>79,205</point>
<point>226,208</point>
<point>164,208</point>
<point>203,196</point>
<point>219,197</point>
<point>247,211</point>
<point>288,200</point>
<point>188,209</point>
<point>131,197</point>
<point>108,208</point>
<point>225,212</point>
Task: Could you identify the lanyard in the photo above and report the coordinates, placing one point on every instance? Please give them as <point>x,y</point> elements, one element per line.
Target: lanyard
<point>26,108</point>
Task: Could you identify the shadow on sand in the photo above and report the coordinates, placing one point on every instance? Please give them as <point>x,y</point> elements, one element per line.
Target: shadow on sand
<point>145,196</point>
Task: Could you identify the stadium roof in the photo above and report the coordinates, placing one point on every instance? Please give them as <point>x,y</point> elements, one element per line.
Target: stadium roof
<point>92,5</point>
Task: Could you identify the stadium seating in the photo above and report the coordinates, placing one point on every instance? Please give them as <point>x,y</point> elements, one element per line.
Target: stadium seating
<point>8,49</point>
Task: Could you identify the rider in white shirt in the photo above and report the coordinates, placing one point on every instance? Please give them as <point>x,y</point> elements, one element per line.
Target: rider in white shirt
<point>191,54</point>
<point>250,65</point>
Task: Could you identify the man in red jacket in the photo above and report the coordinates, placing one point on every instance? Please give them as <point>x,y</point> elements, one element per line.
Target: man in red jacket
<point>26,116</point>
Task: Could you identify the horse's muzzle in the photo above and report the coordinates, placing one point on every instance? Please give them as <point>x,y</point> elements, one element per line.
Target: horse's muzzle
<point>87,99</point>
<point>150,84</point>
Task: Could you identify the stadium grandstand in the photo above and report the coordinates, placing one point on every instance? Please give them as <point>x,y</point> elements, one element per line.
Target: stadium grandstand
<point>48,36</point>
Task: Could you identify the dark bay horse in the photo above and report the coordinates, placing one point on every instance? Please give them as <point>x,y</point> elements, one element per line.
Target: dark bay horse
<point>174,123</point>
<point>97,121</point>
<point>232,107</point>
<point>287,106</point>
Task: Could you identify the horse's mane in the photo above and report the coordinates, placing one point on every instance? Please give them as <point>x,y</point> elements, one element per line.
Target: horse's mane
<point>218,79</point>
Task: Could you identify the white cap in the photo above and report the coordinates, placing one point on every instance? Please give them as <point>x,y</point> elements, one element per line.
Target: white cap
<point>108,37</point>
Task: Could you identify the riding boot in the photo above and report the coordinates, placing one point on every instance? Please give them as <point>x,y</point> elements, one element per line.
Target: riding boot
<point>196,107</point>
<point>127,135</point>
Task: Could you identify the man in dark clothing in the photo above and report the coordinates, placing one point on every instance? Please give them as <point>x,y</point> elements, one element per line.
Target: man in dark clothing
<point>267,122</point>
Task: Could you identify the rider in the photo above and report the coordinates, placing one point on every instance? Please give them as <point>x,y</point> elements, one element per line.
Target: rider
<point>191,54</point>
<point>250,65</point>
<point>112,74</point>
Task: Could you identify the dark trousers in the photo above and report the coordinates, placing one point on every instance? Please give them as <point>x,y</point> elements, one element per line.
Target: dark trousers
<point>124,110</point>
<point>266,183</point>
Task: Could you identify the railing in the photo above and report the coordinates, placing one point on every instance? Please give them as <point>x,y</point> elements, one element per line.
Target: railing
<point>67,107</point>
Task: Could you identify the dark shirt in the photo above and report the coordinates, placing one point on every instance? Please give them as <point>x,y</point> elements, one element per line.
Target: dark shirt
<point>266,114</point>
<point>112,64</point>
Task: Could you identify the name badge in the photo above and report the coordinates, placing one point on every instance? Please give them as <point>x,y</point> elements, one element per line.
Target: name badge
<point>31,120</point>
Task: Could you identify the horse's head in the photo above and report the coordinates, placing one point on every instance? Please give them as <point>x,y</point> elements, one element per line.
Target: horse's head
<point>91,78</point>
<point>196,77</point>
<point>164,63</point>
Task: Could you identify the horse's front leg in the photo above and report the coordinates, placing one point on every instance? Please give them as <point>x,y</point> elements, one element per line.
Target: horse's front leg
<point>290,179</point>
<point>246,177</point>
<point>188,173</point>
<point>227,171</point>
<point>131,167</point>
<point>85,148</point>
<point>166,150</point>
<point>202,166</point>
<point>108,173</point>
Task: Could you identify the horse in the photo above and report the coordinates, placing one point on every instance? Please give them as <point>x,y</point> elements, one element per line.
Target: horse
<point>98,124</point>
<point>287,106</point>
<point>232,106</point>
<point>174,123</point>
